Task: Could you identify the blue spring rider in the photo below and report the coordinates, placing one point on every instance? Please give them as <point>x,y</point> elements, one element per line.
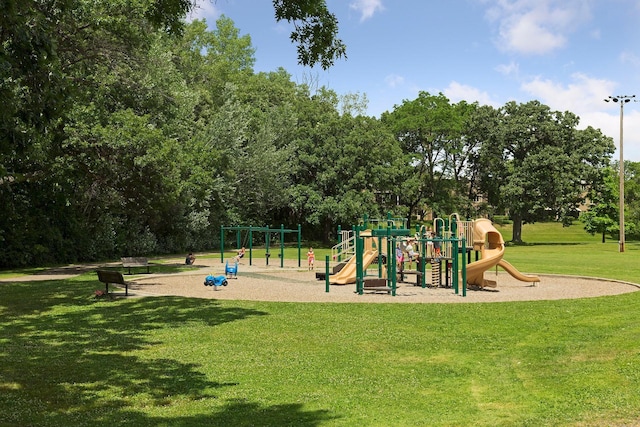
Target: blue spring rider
<point>215,281</point>
<point>231,270</point>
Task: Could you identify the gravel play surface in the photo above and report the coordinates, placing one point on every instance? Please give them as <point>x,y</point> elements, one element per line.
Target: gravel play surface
<point>293,284</point>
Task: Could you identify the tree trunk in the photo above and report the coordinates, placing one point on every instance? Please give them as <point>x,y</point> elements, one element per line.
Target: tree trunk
<point>603,237</point>
<point>326,233</point>
<point>412,207</point>
<point>517,228</point>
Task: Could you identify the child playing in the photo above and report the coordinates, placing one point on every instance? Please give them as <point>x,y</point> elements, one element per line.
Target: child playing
<point>310,258</point>
<point>410,252</point>
<point>190,259</point>
<point>240,255</point>
<point>399,257</point>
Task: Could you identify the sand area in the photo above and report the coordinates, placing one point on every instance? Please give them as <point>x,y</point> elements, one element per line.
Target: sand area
<point>291,283</point>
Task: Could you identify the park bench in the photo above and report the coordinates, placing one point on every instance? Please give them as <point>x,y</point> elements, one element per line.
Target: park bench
<point>115,278</point>
<point>129,262</point>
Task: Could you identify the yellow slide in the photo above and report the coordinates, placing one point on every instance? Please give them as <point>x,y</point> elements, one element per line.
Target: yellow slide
<point>516,274</point>
<point>491,245</point>
<point>348,273</point>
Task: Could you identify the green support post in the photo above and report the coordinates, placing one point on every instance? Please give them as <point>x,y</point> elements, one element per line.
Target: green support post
<point>281,245</point>
<point>299,244</point>
<point>250,246</point>
<point>326,277</point>
<point>390,256</point>
<point>423,263</point>
<point>267,241</point>
<point>359,269</point>
<point>454,267</point>
<point>393,264</point>
<point>339,243</point>
<point>379,244</point>
<point>464,268</point>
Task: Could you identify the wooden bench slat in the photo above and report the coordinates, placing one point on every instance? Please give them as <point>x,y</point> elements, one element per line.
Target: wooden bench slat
<point>128,262</point>
<point>113,277</point>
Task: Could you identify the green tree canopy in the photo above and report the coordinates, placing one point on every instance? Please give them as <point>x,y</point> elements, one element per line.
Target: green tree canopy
<point>535,162</point>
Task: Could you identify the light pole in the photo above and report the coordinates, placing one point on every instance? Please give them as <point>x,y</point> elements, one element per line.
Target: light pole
<point>622,99</point>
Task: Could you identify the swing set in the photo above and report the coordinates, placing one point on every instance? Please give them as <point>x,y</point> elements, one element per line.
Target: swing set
<point>248,237</point>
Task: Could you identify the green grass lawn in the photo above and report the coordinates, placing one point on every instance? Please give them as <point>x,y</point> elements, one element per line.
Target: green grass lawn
<point>67,359</point>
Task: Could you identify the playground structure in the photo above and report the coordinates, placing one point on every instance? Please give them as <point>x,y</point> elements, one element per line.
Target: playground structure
<point>489,247</point>
<point>249,236</point>
<point>369,244</point>
<point>364,245</point>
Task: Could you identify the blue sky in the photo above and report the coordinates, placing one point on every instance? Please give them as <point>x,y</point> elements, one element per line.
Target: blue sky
<point>568,54</point>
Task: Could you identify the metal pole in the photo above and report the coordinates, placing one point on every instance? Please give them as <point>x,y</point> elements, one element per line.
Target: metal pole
<point>464,268</point>
<point>250,246</point>
<point>393,265</point>
<point>326,277</point>
<point>299,243</point>
<point>454,264</point>
<point>339,244</point>
<point>622,101</point>
<point>359,253</point>
<point>423,262</point>
<point>267,240</point>
<point>282,246</point>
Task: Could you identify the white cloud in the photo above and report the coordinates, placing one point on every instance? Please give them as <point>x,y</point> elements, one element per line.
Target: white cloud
<point>394,80</point>
<point>458,92</point>
<point>510,69</point>
<point>366,8</point>
<point>630,59</point>
<point>609,124</point>
<point>584,96</point>
<point>536,26</point>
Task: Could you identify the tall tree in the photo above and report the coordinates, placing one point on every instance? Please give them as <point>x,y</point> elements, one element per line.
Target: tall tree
<point>343,163</point>
<point>50,55</point>
<point>539,159</point>
<point>480,124</point>
<point>602,215</point>
<point>428,130</point>
<point>631,198</point>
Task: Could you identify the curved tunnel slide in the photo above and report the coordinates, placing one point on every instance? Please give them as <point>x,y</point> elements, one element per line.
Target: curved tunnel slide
<point>485,234</point>
<point>475,270</point>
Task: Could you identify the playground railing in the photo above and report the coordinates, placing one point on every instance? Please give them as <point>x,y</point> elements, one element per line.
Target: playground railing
<point>344,250</point>
<point>465,229</point>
